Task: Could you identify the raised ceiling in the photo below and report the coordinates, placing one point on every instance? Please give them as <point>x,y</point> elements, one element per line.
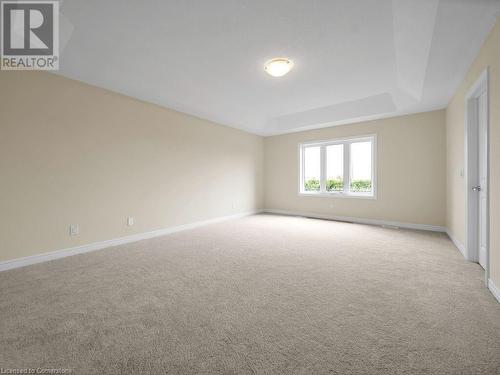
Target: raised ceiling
<point>354,59</point>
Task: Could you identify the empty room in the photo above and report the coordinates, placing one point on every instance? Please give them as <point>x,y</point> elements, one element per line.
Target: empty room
<point>250,187</point>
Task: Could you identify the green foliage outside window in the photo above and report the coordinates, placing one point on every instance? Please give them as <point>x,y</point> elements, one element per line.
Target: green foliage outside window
<point>335,185</point>
<point>311,185</point>
<point>361,186</point>
<point>357,186</point>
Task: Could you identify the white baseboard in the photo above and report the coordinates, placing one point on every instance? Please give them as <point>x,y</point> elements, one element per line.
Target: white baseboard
<point>494,289</point>
<point>358,220</point>
<point>44,257</point>
<point>457,244</point>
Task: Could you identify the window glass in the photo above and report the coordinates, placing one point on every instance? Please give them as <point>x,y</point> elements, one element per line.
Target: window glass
<point>361,167</point>
<point>312,168</point>
<point>335,168</point>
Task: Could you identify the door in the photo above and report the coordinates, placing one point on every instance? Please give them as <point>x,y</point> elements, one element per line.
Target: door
<point>476,176</point>
<point>483,178</point>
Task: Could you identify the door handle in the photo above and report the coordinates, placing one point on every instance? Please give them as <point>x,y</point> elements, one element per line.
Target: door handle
<point>476,188</point>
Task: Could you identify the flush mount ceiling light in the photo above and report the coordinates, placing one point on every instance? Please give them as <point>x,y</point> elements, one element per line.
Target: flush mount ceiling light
<point>278,67</point>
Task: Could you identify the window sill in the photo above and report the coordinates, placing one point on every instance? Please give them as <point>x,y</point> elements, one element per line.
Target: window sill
<point>338,195</point>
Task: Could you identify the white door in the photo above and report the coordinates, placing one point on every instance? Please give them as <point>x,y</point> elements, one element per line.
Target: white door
<point>483,186</point>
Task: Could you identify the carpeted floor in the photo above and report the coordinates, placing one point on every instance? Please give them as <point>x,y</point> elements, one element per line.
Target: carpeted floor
<point>260,295</point>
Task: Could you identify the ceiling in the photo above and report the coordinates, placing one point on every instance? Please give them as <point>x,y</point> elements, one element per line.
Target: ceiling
<point>354,60</point>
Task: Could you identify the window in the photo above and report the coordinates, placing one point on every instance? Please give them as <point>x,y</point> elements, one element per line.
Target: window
<point>341,167</point>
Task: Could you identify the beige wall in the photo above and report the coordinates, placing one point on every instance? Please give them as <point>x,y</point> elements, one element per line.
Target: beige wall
<point>411,171</point>
<point>73,153</point>
<point>455,123</point>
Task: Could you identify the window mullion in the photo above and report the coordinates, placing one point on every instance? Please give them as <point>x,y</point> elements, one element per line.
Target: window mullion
<point>302,168</point>
<point>347,165</point>
<point>322,179</point>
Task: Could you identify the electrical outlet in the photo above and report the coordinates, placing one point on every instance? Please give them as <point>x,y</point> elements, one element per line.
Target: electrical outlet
<point>74,230</point>
<point>130,221</point>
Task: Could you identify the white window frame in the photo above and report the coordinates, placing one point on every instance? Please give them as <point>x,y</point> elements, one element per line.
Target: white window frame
<point>347,143</point>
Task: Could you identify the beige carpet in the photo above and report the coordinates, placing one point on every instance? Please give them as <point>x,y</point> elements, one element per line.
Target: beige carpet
<point>260,295</point>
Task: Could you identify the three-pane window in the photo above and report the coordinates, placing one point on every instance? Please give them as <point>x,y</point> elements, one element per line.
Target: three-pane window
<point>338,167</point>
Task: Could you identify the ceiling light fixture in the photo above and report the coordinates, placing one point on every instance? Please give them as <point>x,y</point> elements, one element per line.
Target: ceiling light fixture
<point>278,67</point>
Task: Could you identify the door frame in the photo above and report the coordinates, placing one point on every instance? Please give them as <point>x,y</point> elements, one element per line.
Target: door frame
<point>472,171</point>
